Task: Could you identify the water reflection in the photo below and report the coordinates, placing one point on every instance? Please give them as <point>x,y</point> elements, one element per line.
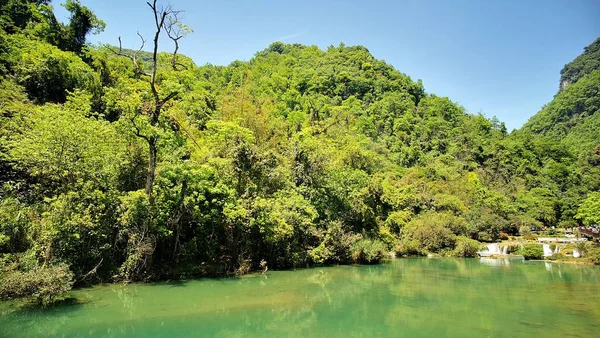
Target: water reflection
<point>495,262</point>
<point>407,297</point>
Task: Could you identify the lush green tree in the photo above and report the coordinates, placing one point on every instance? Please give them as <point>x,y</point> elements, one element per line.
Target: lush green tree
<point>466,247</point>
<point>432,232</point>
<point>589,210</point>
<point>16,15</point>
<point>131,165</point>
<point>64,150</point>
<point>82,21</point>
<point>47,73</point>
<point>531,251</point>
<point>368,251</point>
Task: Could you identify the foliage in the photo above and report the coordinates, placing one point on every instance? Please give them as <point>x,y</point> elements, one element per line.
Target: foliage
<point>524,230</point>
<point>434,231</point>
<point>466,247</point>
<point>594,256</point>
<point>584,247</point>
<point>335,245</point>
<point>45,284</point>
<point>81,22</point>
<point>48,73</point>
<point>531,251</point>
<point>298,156</point>
<point>584,64</point>
<point>62,147</point>
<point>14,226</point>
<point>589,210</point>
<point>368,251</point>
<point>512,247</point>
<point>530,237</point>
<point>277,219</point>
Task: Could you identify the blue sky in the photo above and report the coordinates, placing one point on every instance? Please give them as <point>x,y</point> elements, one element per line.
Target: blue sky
<point>500,58</point>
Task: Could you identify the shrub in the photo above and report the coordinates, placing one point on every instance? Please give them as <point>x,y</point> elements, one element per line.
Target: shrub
<point>584,247</point>
<point>486,224</point>
<point>48,73</point>
<point>513,247</point>
<point>530,237</point>
<point>524,230</point>
<point>44,284</point>
<point>408,247</point>
<point>503,236</point>
<point>567,251</point>
<point>368,251</point>
<point>135,218</point>
<point>466,247</point>
<point>594,256</point>
<point>532,251</point>
<point>431,231</point>
<point>335,246</point>
<point>245,265</point>
<point>387,236</point>
<point>13,226</point>
<point>484,236</point>
<point>397,220</point>
<point>556,256</point>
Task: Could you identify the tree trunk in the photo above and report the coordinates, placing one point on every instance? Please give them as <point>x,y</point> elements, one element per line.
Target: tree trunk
<point>151,168</point>
<point>179,216</point>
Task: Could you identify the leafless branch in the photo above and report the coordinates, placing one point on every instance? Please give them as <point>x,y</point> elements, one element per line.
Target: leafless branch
<point>159,19</point>
<point>91,272</point>
<point>175,32</point>
<point>133,57</point>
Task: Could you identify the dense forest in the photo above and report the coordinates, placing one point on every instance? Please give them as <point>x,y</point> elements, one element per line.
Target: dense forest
<point>131,164</point>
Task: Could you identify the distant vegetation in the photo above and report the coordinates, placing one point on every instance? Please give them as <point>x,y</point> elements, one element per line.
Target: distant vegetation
<point>135,168</point>
<point>583,65</point>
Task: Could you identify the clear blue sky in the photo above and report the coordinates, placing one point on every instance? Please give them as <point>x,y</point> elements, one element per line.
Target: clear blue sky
<point>500,58</point>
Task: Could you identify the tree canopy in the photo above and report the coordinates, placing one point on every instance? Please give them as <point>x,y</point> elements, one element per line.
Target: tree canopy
<point>130,165</point>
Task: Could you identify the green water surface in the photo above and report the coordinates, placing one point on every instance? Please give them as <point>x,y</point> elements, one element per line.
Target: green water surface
<point>402,298</point>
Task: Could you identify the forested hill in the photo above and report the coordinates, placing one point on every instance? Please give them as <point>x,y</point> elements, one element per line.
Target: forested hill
<point>573,117</point>
<point>584,64</point>
<point>116,168</point>
<point>571,124</point>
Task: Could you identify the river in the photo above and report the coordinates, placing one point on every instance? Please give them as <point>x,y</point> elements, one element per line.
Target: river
<point>402,298</point>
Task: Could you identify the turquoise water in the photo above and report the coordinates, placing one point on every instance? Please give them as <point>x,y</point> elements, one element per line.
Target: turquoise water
<point>402,298</point>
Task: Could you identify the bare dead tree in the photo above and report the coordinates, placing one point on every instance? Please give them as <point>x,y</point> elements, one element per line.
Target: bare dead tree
<point>141,242</point>
<point>176,31</point>
<point>166,19</point>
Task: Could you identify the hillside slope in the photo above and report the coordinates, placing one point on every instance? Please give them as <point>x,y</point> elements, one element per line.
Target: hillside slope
<point>571,124</point>
<point>298,156</point>
<point>584,64</point>
<point>573,116</point>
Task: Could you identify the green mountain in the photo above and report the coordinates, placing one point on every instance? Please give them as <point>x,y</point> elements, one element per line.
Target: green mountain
<point>296,157</point>
<point>573,117</point>
<point>570,124</point>
<point>584,64</point>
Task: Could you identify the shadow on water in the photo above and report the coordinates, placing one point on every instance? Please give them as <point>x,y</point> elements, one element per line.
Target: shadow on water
<point>176,283</point>
<point>14,311</point>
